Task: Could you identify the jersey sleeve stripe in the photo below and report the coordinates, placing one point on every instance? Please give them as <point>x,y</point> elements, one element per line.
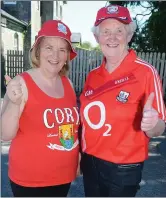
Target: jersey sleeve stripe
<point>157,88</point>
<point>161,97</point>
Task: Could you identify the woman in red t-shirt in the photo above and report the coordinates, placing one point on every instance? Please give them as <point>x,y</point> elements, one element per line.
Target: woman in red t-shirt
<point>121,109</point>
<point>40,116</point>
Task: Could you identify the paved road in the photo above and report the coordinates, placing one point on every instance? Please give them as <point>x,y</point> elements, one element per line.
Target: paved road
<point>153,183</point>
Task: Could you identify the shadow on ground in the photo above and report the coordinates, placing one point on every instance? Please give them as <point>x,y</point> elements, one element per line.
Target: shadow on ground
<point>5,185</point>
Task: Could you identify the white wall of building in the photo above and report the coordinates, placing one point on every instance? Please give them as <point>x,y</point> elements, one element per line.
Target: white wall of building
<point>8,43</point>
<point>35,20</point>
<point>58,10</point>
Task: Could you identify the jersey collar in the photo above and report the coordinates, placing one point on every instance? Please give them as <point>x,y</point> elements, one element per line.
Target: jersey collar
<point>124,67</point>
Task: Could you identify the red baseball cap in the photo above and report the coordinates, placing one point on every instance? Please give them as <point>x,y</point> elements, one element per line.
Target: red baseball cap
<point>113,11</point>
<point>58,29</point>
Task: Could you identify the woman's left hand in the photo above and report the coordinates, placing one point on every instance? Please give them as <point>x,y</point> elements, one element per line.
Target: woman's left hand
<point>150,115</point>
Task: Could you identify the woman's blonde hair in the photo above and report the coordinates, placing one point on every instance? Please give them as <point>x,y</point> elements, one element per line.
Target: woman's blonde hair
<point>34,58</point>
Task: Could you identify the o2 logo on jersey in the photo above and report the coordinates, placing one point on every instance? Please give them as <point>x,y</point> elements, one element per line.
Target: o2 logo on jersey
<point>101,123</point>
<point>123,96</point>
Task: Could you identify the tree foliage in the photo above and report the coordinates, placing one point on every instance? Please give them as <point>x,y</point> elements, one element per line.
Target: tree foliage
<point>97,48</point>
<point>86,45</point>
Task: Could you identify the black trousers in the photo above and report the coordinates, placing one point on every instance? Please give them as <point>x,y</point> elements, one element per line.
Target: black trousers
<point>105,179</point>
<point>50,191</point>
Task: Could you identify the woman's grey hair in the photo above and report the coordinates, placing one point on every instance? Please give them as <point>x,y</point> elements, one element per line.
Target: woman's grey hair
<point>131,27</point>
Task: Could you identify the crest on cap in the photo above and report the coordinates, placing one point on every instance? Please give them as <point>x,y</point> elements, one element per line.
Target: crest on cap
<point>112,9</point>
<point>62,28</point>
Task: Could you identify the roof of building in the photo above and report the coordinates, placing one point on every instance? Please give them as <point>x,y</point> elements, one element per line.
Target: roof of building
<point>7,15</point>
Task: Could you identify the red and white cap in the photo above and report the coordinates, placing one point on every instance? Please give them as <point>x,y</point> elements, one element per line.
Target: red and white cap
<point>113,11</point>
<point>58,29</point>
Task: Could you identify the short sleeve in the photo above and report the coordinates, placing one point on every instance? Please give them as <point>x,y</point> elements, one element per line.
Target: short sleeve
<point>153,84</point>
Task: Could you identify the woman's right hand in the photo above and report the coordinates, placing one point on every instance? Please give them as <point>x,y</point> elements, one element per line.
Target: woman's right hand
<point>13,105</point>
<point>14,90</point>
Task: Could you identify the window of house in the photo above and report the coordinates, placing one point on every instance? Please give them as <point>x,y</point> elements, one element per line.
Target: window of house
<point>61,12</point>
<point>3,21</point>
<point>38,5</point>
<point>16,41</point>
<point>57,9</point>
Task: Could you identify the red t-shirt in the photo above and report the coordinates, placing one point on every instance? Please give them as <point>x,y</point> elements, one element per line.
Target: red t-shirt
<point>45,150</point>
<point>111,110</point>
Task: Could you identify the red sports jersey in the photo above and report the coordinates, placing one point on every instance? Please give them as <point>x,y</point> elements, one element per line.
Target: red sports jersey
<point>112,106</point>
<point>45,150</point>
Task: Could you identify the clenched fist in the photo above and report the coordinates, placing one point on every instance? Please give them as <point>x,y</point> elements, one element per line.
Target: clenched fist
<point>150,115</point>
<point>14,90</point>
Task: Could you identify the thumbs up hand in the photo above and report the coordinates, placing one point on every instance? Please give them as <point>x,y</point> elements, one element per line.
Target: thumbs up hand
<point>8,79</point>
<point>14,90</point>
<point>150,115</point>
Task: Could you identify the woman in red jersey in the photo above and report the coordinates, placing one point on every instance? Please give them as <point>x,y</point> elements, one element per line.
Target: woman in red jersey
<point>40,116</point>
<point>121,108</point>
